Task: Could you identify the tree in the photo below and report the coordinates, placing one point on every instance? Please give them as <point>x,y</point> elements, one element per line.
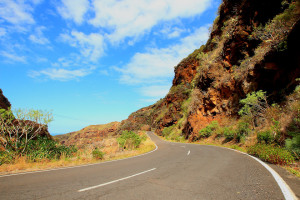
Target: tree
<point>18,128</point>
<point>255,105</point>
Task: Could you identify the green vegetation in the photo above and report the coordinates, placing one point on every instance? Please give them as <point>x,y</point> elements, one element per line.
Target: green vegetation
<point>97,154</point>
<point>272,154</point>
<point>229,133</point>
<point>24,133</point>
<point>209,129</point>
<point>17,131</point>
<point>276,30</point>
<point>45,148</point>
<point>129,140</point>
<point>255,105</point>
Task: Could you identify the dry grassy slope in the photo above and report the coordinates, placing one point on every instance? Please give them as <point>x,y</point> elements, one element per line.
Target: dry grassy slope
<point>90,135</point>
<point>210,82</point>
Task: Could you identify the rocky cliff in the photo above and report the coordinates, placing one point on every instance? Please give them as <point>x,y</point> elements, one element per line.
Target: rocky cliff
<point>4,103</point>
<point>253,45</point>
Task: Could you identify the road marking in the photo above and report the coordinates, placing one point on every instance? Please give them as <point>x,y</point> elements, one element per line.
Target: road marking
<point>61,168</point>
<point>189,152</point>
<point>121,179</point>
<point>284,187</point>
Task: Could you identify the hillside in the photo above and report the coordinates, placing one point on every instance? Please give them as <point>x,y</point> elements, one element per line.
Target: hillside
<point>92,135</point>
<point>253,46</point>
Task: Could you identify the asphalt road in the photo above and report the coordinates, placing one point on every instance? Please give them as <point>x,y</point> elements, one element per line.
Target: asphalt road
<point>173,171</point>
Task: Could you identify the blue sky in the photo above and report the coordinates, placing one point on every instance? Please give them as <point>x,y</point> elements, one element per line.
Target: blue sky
<point>95,61</point>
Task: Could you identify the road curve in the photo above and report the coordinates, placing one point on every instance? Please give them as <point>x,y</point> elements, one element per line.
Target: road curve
<point>173,171</point>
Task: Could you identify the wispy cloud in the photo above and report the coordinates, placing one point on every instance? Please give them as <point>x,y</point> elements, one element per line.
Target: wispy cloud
<point>131,18</point>
<point>90,46</point>
<point>59,74</point>
<point>172,32</point>
<point>12,57</point>
<point>2,32</point>
<point>157,64</point>
<point>38,36</point>
<point>73,10</point>
<point>16,12</point>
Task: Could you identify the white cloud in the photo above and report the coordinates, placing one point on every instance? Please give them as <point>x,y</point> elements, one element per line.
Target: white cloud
<point>172,32</point>
<point>91,46</point>
<point>60,74</point>
<point>74,10</point>
<point>155,90</point>
<point>132,18</point>
<point>2,32</point>
<point>12,57</point>
<point>16,12</point>
<point>157,64</point>
<point>38,37</point>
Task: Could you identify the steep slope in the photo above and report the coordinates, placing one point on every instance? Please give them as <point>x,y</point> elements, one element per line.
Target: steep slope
<point>253,46</point>
<point>4,103</point>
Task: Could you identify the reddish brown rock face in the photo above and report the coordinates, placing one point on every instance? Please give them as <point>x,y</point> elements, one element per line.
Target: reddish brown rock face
<point>185,72</point>
<point>4,103</point>
<point>235,64</point>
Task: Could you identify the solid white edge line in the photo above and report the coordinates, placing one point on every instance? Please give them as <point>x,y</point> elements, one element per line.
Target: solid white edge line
<point>189,152</point>
<point>284,187</point>
<point>61,168</point>
<point>121,179</point>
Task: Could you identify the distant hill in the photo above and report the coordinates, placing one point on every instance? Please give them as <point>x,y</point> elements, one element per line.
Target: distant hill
<point>90,135</point>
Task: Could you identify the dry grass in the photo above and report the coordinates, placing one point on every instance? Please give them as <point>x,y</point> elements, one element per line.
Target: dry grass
<point>83,156</point>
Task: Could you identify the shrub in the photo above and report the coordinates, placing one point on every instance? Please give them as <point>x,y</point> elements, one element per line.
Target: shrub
<point>229,133</point>
<point>219,132</point>
<point>265,137</point>
<point>97,154</point>
<point>242,130</point>
<point>6,157</point>
<point>272,154</point>
<point>167,131</point>
<point>255,105</point>
<point>293,145</point>
<point>45,148</point>
<point>18,128</point>
<point>209,129</point>
<point>129,140</point>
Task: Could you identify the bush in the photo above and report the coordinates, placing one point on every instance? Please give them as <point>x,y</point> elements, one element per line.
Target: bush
<point>242,130</point>
<point>167,131</point>
<point>43,147</point>
<point>265,137</point>
<point>209,129</point>
<point>20,127</point>
<point>229,133</point>
<point>6,157</point>
<point>272,154</point>
<point>97,154</point>
<point>293,145</point>
<point>129,140</point>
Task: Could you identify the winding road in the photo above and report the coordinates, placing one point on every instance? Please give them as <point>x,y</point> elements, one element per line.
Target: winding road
<point>172,171</point>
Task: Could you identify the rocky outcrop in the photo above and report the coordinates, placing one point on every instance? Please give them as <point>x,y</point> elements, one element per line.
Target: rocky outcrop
<point>90,135</point>
<point>4,103</point>
<point>253,46</point>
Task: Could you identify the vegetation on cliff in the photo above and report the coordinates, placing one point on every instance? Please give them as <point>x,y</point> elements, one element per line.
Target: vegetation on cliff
<point>241,87</point>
